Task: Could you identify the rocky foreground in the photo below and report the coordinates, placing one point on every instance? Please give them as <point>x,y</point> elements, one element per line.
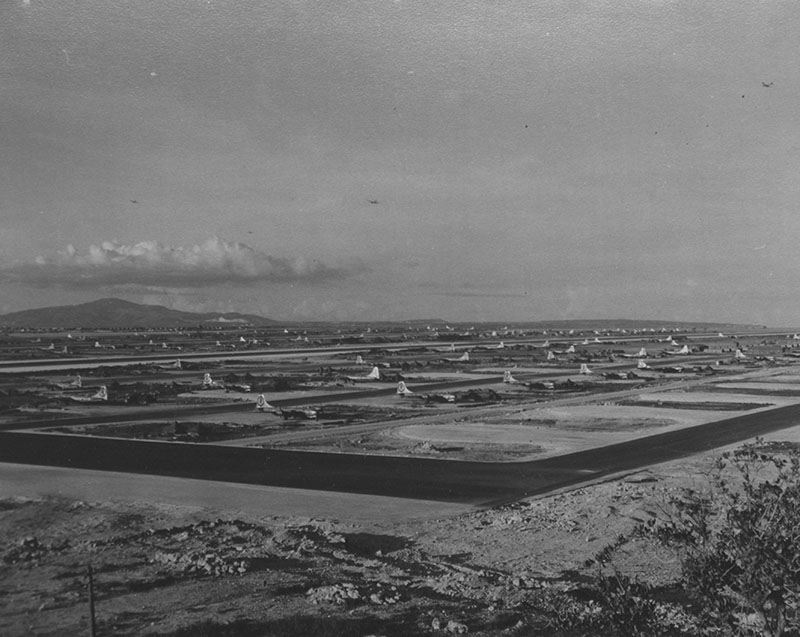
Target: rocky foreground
<point>162,570</point>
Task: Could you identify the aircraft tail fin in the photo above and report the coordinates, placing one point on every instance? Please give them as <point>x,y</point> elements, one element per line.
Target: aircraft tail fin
<point>585,369</point>
<point>641,364</point>
<point>402,390</point>
<point>508,378</point>
<point>571,349</point>
<point>464,357</point>
<point>375,374</point>
<point>262,404</point>
<point>102,393</point>
<point>550,355</point>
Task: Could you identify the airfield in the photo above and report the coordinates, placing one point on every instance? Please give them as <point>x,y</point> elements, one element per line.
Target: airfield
<point>449,414</point>
<point>339,503</point>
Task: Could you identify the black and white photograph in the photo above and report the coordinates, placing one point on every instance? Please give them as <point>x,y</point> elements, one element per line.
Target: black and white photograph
<point>391,318</point>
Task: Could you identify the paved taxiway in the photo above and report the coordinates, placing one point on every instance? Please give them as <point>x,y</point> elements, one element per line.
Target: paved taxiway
<point>419,478</point>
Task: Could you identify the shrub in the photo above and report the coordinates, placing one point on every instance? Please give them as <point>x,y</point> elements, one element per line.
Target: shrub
<point>739,543</point>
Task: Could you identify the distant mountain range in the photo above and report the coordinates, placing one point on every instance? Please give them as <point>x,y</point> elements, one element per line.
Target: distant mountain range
<point>116,313</point>
<point>631,324</point>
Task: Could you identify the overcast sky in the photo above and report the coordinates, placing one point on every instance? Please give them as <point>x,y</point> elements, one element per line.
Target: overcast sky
<point>390,160</point>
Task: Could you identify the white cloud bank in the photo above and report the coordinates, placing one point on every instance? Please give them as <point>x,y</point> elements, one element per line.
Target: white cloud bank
<point>150,263</point>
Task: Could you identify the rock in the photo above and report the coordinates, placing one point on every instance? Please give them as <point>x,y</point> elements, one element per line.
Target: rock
<point>456,628</point>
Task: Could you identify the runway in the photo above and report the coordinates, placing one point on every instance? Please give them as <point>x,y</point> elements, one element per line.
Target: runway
<point>452,481</point>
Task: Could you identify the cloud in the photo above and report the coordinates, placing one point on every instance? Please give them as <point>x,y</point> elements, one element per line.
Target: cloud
<point>153,264</point>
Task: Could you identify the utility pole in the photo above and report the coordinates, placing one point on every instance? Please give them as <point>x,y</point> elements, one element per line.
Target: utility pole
<point>92,625</point>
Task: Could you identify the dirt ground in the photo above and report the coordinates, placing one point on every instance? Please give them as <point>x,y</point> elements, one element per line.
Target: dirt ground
<point>167,569</point>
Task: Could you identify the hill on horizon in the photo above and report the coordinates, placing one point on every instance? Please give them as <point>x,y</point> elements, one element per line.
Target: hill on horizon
<point>117,313</point>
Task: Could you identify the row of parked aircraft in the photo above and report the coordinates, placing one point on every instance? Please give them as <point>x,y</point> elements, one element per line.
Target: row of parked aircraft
<point>374,375</point>
<point>508,378</point>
